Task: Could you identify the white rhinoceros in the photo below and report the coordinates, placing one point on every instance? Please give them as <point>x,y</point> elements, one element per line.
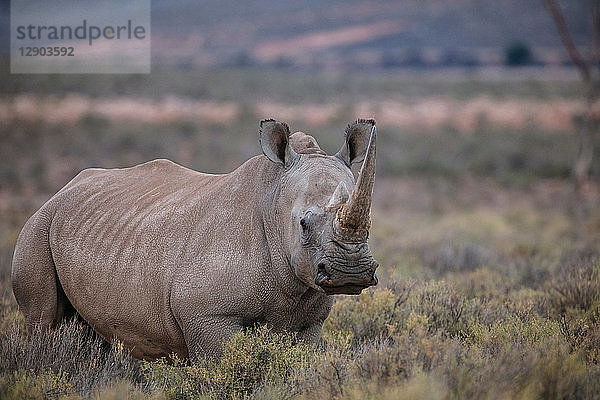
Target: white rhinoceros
<point>170,260</point>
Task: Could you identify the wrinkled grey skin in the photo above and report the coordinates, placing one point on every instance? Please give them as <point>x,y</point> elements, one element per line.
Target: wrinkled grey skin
<point>169,260</point>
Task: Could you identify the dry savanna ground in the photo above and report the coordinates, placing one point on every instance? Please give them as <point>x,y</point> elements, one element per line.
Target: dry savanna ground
<point>490,261</point>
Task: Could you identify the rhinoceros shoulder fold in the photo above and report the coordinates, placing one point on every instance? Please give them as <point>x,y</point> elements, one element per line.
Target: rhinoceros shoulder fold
<point>164,166</point>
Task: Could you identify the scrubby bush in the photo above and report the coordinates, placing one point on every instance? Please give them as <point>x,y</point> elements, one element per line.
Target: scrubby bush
<point>369,316</point>
<point>385,343</point>
<point>24,384</point>
<point>576,286</point>
<point>513,333</point>
<point>441,309</point>
<point>70,357</point>
<point>251,360</point>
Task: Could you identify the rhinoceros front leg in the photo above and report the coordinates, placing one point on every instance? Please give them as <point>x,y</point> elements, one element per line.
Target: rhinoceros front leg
<point>311,334</point>
<point>204,336</point>
<point>317,306</point>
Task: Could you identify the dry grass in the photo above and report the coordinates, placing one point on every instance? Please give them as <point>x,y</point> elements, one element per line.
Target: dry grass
<point>428,114</point>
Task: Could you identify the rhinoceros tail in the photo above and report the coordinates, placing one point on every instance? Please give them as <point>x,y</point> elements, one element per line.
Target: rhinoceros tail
<point>34,279</point>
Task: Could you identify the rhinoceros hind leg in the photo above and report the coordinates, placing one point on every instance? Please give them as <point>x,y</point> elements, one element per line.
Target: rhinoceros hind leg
<point>34,280</point>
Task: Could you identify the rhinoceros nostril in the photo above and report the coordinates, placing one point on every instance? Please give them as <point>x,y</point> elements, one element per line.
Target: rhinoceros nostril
<point>374,281</point>
<point>321,267</point>
<point>322,279</point>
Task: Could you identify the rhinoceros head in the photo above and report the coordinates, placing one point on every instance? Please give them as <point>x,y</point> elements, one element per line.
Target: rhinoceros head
<point>324,215</point>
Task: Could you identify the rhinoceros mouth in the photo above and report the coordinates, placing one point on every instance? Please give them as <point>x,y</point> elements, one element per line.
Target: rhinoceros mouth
<point>348,285</point>
<point>347,289</point>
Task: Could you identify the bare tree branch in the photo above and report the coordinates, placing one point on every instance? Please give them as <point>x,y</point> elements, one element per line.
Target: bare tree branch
<point>595,56</point>
<point>567,40</point>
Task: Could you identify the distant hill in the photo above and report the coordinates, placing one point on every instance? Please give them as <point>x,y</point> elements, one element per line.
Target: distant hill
<point>352,34</point>
<point>385,33</point>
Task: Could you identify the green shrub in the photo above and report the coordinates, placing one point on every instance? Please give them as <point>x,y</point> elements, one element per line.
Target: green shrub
<point>440,308</point>
<point>527,303</point>
<point>576,286</point>
<point>250,360</point>
<point>583,334</point>
<point>370,315</point>
<point>519,358</point>
<point>123,390</point>
<point>421,386</point>
<point>549,371</point>
<point>73,349</point>
<point>253,358</point>
<point>327,375</point>
<point>381,313</point>
<point>21,385</point>
<point>514,332</point>
<point>176,378</point>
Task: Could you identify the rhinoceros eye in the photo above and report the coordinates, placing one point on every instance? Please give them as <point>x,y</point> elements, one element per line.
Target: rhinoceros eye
<point>303,223</point>
<point>305,237</point>
<point>306,222</point>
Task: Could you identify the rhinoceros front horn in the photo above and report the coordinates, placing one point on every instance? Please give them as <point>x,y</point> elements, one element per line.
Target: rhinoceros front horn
<point>353,218</point>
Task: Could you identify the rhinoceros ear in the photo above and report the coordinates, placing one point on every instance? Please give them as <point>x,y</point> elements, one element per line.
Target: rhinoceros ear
<point>356,141</point>
<point>275,143</point>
